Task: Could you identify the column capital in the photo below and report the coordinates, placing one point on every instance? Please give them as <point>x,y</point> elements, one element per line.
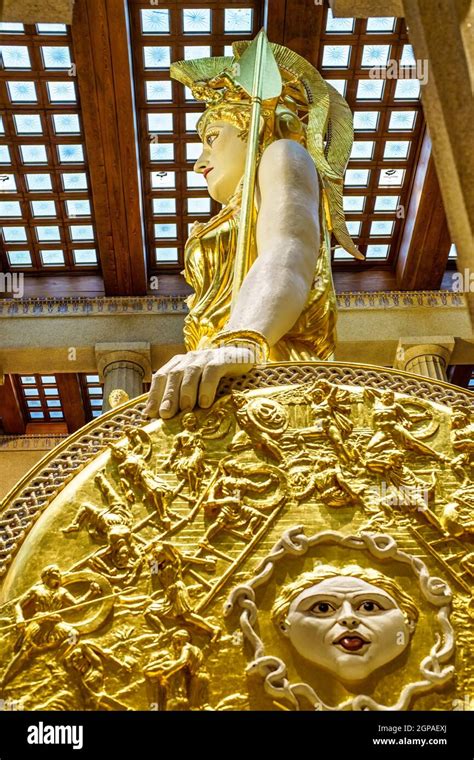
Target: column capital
<point>411,348</point>
<point>108,354</point>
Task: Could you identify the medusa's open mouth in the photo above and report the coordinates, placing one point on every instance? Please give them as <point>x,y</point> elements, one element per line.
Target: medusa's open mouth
<point>351,642</point>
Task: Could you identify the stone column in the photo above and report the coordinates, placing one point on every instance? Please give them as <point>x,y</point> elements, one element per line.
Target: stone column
<point>428,357</point>
<point>435,30</point>
<point>123,368</point>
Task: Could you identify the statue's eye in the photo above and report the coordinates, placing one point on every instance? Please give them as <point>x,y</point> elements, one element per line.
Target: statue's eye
<point>322,608</point>
<point>369,606</point>
<point>210,137</point>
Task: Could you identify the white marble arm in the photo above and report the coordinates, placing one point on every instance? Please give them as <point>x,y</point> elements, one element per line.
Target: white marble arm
<point>275,289</point>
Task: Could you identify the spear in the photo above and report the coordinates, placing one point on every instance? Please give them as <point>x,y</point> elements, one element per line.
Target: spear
<point>74,607</point>
<point>258,74</point>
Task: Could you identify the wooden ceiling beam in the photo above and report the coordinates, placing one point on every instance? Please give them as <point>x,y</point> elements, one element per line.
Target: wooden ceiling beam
<point>10,408</point>
<point>426,240</point>
<point>274,20</point>
<point>296,24</point>
<point>104,76</point>
<point>71,400</point>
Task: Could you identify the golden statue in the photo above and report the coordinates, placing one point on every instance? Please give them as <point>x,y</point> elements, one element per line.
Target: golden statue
<point>260,269</point>
<point>304,544</point>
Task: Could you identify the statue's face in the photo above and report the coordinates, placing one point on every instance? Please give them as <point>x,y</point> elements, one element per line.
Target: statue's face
<point>122,556</point>
<point>179,640</point>
<point>347,626</point>
<point>78,659</point>
<point>53,579</point>
<point>222,160</point>
<point>190,422</point>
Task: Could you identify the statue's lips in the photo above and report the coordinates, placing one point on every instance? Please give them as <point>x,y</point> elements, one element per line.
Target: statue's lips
<point>351,642</point>
<point>206,171</point>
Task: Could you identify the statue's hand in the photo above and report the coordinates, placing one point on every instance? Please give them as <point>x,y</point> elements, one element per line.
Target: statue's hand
<point>53,618</point>
<point>192,377</point>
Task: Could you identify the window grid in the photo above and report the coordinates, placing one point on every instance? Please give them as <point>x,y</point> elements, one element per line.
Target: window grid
<point>40,398</point>
<point>92,394</point>
<point>40,245</point>
<point>389,151</point>
<point>160,233</point>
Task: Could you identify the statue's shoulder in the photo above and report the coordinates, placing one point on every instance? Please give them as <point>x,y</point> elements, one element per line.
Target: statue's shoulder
<point>286,149</point>
<point>286,160</point>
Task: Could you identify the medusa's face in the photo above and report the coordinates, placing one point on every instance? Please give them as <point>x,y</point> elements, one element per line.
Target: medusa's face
<point>222,161</point>
<point>347,626</point>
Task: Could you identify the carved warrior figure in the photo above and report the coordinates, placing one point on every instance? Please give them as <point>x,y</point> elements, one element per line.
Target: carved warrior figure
<point>404,490</point>
<point>331,413</point>
<point>157,492</point>
<point>180,675</point>
<point>279,282</point>
<point>226,502</point>
<point>121,560</point>
<point>392,423</point>
<point>462,438</point>
<point>262,424</point>
<point>86,663</point>
<point>166,563</point>
<point>39,621</point>
<point>99,520</point>
<point>458,515</point>
<point>186,458</point>
<point>133,470</point>
<point>325,476</point>
<point>163,553</point>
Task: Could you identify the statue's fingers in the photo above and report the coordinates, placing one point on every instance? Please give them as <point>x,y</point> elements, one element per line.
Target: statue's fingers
<point>170,402</point>
<point>211,375</point>
<point>173,362</point>
<point>158,385</point>
<point>189,387</point>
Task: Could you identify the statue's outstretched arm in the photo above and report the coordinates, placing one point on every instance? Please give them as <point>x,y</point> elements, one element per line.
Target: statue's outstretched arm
<point>274,291</point>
